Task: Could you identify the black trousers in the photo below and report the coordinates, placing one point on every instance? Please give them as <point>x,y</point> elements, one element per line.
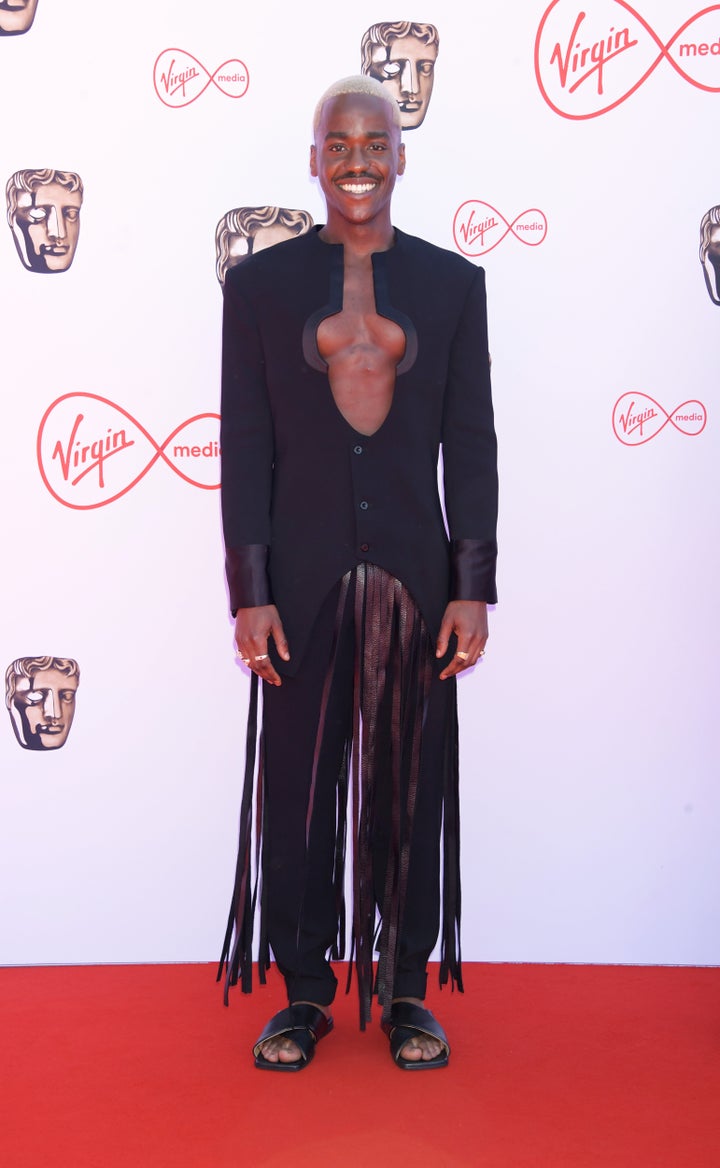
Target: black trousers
<point>299,856</point>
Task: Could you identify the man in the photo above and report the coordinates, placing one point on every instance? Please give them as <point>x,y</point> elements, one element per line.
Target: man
<point>245,230</point>
<point>710,252</point>
<point>16,16</point>
<point>349,355</point>
<point>44,215</point>
<point>40,697</point>
<point>402,55</point>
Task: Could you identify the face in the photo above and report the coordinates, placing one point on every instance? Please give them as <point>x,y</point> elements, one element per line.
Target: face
<point>357,156</point>
<point>45,706</point>
<point>712,264</point>
<point>16,15</point>
<point>47,225</point>
<point>407,67</point>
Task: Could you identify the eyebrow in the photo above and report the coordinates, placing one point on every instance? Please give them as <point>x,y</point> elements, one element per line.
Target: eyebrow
<point>344,134</point>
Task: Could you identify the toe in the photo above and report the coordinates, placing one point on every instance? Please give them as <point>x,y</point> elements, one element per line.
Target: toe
<point>412,1051</point>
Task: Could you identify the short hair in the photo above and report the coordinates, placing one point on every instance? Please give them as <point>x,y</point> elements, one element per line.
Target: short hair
<point>28,666</point>
<point>30,180</point>
<point>245,221</point>
<point>709,220</point>
<point>358,83</point>
<point>388,31</point>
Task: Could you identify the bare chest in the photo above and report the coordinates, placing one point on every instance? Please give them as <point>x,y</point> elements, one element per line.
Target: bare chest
<point>362,351</point>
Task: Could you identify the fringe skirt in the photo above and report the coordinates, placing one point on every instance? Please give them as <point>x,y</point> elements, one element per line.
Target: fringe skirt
<point>394,661</point>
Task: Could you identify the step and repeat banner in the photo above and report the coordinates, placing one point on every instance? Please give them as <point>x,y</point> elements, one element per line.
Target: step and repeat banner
<point>567,148</point>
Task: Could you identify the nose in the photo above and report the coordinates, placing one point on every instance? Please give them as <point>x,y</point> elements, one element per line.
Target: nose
<point>409,78</point>
<point>356,160</point>
<point>51,706</point>
<point>55,223</point>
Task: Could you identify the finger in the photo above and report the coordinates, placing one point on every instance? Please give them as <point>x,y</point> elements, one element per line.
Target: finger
<point>256,657</point>
<point>280,639</point>
<point>263,666</point>
<point>464,658</point>
<point>446,628</point>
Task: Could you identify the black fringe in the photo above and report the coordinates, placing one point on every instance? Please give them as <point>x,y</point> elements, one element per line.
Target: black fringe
<point>394,658</point>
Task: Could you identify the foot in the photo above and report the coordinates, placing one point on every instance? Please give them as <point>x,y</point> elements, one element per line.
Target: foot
<point>421,1047</point>
<point>282,1049</point>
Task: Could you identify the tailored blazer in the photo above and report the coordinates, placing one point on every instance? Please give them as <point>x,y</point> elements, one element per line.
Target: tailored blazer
<point>305,497</point>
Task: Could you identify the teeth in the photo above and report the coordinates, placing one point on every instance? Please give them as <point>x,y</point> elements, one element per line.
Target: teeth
<point>357,188</point>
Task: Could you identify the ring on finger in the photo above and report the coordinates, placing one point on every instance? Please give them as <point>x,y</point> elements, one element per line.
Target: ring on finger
<point>262,657</point>
<point>463,656</point>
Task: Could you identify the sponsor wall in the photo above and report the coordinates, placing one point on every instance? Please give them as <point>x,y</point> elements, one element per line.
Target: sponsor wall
<point>566,148</point>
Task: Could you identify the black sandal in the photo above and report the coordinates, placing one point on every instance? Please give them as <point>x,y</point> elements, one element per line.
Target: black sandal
<point>405,1022</point>
<point>304,1024</point>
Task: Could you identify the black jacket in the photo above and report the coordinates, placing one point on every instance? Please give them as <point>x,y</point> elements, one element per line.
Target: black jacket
<point>305,497</point>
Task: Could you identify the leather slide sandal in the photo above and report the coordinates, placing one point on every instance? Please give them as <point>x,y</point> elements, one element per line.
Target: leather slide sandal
<point>304,1024</point>
<point>405,1022</point>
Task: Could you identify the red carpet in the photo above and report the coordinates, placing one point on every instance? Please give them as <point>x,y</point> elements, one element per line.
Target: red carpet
<point>552,1067</point>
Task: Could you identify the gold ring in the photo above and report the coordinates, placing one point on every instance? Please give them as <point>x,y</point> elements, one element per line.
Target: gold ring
<point>262,657</point>
<point>461,655</point>
<point>481,653</point>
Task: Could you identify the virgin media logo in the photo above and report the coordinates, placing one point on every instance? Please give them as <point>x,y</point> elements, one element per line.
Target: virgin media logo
<point>91,451</point>
<point>478,227</point>
<point>180,79</point>
<point>589,60</point>
<point>636,418</point>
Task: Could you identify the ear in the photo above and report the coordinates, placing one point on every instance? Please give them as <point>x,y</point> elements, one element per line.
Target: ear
<point>313,161</point>
<point>401,158</point>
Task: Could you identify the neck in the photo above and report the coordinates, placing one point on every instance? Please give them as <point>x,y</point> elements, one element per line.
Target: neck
<point>359,238</point>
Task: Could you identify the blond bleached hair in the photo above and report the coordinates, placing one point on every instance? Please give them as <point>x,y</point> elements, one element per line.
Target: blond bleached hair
<point>358,83</point>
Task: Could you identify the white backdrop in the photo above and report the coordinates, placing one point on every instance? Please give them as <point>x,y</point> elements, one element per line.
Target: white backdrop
<point>589,734</point>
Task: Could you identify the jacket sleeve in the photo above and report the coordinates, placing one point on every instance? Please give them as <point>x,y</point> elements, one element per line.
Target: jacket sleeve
<point>470,454</point>
<point>246,445</point>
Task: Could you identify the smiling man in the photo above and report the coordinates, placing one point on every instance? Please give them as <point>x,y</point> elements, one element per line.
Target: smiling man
<point>351,355</point>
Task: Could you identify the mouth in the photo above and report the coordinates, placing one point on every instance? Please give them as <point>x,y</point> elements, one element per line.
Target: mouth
<point>354,186</point>
<point>57,249</point>
<point>50,729</point>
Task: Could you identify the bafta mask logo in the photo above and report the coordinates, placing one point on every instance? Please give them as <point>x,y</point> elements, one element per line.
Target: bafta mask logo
<point>710,252</point>
<point>402,56</point>
<point>16,16</point>
<point>43,210</point>
<point>40,697</point>
<point>245,230</point>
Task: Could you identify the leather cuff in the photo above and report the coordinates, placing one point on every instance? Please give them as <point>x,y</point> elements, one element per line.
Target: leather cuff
<point>472,570</point>
<point>247,576</point>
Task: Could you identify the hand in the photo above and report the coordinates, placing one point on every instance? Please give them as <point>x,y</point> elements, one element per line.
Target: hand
<point>253,626</point>
<point>468,620</point>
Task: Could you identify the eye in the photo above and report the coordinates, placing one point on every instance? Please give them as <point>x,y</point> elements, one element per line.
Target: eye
<point>72,214</point>
<point>426,67</point>
<point>67,696</point>
<point>391,69</point>
<point>34,697</point>
<point>37,214</point>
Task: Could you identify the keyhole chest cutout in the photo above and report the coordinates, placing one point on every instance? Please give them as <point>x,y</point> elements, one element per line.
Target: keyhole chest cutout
<point>362,350</point>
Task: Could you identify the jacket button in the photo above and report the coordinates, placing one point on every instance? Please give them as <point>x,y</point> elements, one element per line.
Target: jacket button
<point>364,505</point>
<point>364,547</point>
<point>357,449</point>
